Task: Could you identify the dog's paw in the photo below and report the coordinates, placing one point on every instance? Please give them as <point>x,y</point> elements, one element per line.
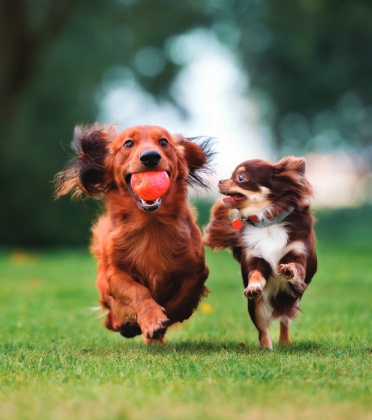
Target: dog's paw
<point>286,271</point>
<point>253,290</point>
<point>130,329</point>
<point>153,321</point>
<point>156,330</point>
<point>293,276</point>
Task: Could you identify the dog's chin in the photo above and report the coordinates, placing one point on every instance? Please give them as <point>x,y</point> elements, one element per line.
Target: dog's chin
<point>144,205</point>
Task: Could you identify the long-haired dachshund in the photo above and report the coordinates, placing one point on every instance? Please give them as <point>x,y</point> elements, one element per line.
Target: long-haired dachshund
<point>272,238</point>
<point>151,265</point>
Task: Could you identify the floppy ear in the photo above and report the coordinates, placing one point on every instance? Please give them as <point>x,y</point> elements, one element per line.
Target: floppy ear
<point>87,173</point>
<point>198,153</point>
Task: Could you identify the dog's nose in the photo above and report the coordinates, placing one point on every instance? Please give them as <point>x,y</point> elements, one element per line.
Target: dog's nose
<point>150,158</point>
<point>221,181</point>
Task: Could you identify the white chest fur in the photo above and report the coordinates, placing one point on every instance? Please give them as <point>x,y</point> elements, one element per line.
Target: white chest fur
<point>268,243</point>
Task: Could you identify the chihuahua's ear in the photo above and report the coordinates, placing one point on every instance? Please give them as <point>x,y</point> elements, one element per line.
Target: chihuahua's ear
<point>291,171</point>
<point>198,153</point>
<point>292,164</point>
<point>87,173</point>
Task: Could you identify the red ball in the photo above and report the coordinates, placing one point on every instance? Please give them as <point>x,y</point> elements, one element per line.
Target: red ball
<point>150,185</point>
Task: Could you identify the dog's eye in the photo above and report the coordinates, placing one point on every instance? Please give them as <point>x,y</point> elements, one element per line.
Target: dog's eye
<point>128,144</point>
<point>163,142</point>
<point>241,177</point>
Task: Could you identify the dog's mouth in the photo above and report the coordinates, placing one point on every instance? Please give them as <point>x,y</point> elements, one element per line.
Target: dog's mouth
<point>232,198</point>
<point>145,205</point>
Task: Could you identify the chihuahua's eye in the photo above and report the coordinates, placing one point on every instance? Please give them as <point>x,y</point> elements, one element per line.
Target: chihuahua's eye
<point>163,142</point>
<point>128,144</point>
<point>241,177</point>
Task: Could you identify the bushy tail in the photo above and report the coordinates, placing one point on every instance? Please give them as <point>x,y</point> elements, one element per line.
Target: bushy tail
<point>219,233</point>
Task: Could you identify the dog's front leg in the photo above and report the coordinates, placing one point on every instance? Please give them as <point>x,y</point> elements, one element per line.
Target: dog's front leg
<point>259,271</point>
<point>130,297</point>
<point>292,267</point>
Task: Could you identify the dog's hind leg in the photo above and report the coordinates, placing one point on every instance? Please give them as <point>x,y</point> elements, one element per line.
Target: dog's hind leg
<point>261,315</point>
<point>284,330</point>
<point>182,305</point>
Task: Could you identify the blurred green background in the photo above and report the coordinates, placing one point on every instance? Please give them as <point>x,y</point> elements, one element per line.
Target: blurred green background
<point>302,70</point>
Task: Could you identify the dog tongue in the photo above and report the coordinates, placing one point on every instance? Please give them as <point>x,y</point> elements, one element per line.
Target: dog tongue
<point>232,199</point>
<point>150,185</point>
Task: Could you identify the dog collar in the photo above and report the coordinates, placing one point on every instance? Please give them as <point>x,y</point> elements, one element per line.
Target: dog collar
<point>265,222</point>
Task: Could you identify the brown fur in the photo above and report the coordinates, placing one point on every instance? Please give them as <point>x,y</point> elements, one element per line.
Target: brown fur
<point>151,266</point>
<point>263,190</point>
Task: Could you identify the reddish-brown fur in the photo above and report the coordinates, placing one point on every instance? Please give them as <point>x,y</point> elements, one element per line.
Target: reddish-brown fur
<point>277,262</point>
<point>151,266</point>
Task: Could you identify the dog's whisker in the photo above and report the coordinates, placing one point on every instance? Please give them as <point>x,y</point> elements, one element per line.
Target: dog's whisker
<point>105,313</point>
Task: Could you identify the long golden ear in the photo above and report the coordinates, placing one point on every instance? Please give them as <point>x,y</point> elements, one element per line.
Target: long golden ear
<point>86,172</point>
<point>198,153</point>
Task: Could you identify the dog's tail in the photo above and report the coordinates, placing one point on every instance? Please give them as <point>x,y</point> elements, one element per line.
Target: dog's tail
<point>219,233</point>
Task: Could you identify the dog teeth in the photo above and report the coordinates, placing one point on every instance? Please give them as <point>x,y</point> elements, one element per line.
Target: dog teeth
<point>150,203</point>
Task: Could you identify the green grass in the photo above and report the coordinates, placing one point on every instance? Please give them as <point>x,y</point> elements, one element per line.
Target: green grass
<point>57,361</point>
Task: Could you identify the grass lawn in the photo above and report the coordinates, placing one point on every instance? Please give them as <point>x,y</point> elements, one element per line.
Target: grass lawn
<point>57,361</point>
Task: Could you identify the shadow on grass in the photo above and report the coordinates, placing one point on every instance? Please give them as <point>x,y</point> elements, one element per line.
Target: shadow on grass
<point>203,347</point>
<point>103,348</point>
